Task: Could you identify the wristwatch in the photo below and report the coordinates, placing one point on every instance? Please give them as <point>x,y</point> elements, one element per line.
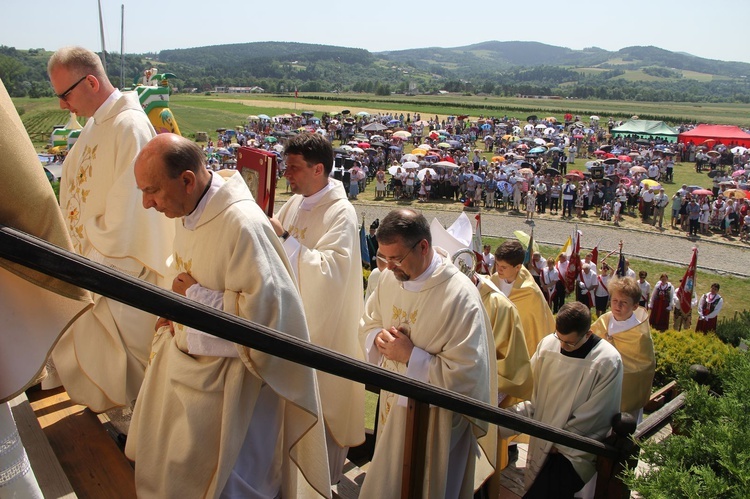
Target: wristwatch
<point>285,235</point>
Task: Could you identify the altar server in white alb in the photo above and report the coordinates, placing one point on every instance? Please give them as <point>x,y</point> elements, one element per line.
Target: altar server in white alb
<point>426,320</point>
<point>34,308</point>
<point>318,226</point>
<point>215,418</point>
<point>577,387</point>
<point>101,358</point>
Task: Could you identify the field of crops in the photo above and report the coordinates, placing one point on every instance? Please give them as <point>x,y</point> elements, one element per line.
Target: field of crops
<point>197,112</point>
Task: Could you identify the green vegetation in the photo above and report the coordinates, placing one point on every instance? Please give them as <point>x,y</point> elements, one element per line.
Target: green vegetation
<point>708,457</point>
<point>676,351</point>
<point>500,69</point>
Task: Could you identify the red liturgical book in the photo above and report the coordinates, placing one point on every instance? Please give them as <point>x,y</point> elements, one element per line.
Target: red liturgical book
<point>258,168</point>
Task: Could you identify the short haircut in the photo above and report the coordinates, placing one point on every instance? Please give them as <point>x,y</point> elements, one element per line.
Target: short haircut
<point>181,155</point>
<point>77,60</point>
<point>510,252</point>
<point>573,317</point>
<point>643,274</point>
<point>313,147</point>
<point>717,285</point>
<point>404,225</point>
<point>626,286</point>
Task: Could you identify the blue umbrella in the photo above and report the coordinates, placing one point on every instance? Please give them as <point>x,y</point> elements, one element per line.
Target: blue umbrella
<point>477,178</point>
<point>538,150</point>
<point>486,126</point>
<point>555,149</point>
<point>264,117</point>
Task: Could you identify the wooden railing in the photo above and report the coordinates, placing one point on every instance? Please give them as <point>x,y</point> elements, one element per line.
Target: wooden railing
<point>40,255</point>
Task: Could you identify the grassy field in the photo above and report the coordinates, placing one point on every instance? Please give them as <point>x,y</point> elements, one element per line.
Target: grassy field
<point>196,112</point>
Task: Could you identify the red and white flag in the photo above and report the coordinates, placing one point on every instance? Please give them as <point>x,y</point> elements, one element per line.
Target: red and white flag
<point>687,286</point>
<point>574,261</point>
<point>476,246</point>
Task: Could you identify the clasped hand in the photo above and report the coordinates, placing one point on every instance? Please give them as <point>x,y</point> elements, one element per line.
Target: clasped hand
<point>394,345</point>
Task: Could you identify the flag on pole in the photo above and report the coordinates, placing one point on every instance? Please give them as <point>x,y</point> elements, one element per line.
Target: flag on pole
<point>685,291</point>
<point>620,264</point>
<point>296,93</point>
<point>529,251</point>
<point>595,254</point>
<point>574,261</point>
<point>476,246</point>
<point>364,251</point>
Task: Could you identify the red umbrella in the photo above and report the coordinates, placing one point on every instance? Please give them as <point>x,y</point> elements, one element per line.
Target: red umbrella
<point>599,151</point>
<point>575,175</point>
<point>364,145</point>
<point>702,192</point>
<point>623,157</point>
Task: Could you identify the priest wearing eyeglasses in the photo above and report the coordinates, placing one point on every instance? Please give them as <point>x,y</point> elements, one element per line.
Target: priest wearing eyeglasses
<point>426,320</point>
<point>101,359</point>
<point>577,387</point>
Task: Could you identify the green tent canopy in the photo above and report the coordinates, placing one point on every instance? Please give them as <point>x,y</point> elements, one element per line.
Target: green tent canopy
<point>646,129</point>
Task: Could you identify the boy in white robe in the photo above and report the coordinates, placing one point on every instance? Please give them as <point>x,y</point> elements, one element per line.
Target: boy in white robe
<point>626,327</point>
<point>101,359</point>
<point>577,387</point>
<point>426,320</point>
<point>213,417</point>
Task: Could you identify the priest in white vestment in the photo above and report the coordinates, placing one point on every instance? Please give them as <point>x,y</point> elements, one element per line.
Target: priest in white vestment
<point>101,359</point>
<point>215,418</point>
<point>426,320</point>
<point>321,237</point>
<point>34,308</point>
<point>577,387</point>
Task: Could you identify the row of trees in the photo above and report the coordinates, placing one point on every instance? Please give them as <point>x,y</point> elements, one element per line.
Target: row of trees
<point>336,70</point>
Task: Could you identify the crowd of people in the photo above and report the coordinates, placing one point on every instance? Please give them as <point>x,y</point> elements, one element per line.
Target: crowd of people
<point>530,168</point>
<point>218,419</point>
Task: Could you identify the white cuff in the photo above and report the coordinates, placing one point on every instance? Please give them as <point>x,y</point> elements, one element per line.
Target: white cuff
<point>200,343</point>
<point>372,354</point>
<point>418,368</point>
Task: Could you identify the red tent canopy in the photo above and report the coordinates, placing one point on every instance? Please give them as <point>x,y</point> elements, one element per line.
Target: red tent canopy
<point>728,135</point>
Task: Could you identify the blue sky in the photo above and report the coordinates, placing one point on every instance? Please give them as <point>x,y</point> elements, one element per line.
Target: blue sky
<point>712,29</point>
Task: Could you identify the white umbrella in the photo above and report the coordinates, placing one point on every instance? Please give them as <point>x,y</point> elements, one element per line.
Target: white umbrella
<point>594,118</point>
<point>541,142</point>
<point>410,165</point>
<point>358,150</point>
<point>445,164</point>
<point>402,134</point>
<point>541,126</point>
<point>410,157</point>
<point>394,169</point>
<point>423,172</point>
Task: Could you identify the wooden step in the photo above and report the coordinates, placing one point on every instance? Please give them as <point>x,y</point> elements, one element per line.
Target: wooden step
<point>90,458</point>
<point>49,474</point>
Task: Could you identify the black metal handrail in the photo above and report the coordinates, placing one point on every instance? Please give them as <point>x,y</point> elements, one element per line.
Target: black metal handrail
<point>49,259</point>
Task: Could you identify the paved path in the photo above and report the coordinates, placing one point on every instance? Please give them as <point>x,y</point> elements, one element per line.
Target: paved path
<point>714,256</point>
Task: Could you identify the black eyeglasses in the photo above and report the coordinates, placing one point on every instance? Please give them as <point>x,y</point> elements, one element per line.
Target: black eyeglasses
<point>567,343</point>
<point>397,262</point>
<point>64,95</point>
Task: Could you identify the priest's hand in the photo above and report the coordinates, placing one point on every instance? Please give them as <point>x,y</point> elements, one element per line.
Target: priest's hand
<point>394,345</point>
<point>276,226</point>
<point>161,322</point>
<point>182,282</point>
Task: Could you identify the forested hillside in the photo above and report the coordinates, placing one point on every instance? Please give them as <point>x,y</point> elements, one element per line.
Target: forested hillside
<point>493,68</point>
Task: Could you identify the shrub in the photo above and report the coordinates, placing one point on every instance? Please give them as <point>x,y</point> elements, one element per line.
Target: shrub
<point>676,351</point>
<point>710,456</point>
<point>732,331</point>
